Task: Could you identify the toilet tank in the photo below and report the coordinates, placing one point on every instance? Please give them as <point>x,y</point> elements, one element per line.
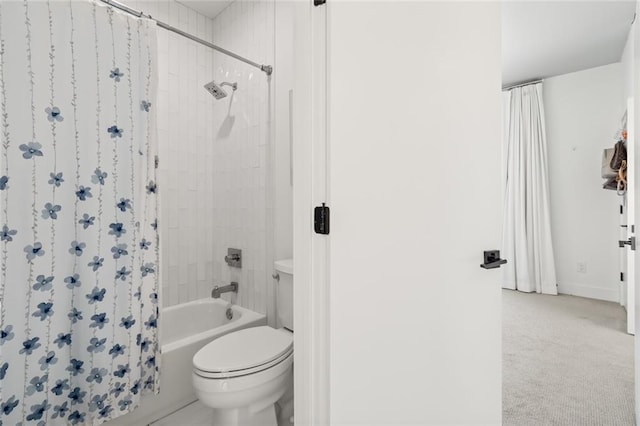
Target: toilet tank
<point>284,293</point>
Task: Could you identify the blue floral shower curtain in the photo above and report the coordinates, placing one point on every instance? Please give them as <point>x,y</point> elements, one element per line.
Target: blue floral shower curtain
<point>78,228</point>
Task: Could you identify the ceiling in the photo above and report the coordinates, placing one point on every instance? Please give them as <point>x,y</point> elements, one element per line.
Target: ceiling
<point>209,8</point>
<point>546,38</point>
<point>540,38</point>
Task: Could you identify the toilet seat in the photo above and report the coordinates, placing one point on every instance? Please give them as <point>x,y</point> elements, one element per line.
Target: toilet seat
<point>242,373</point>
<point>243,352</point>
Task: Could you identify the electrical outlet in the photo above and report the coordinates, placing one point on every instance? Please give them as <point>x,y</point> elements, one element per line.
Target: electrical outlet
<point>582,267</point>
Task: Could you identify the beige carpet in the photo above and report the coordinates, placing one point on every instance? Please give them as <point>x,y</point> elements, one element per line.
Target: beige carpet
<point>566,361</point>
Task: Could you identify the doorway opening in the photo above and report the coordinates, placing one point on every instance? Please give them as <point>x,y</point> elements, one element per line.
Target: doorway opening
<point>568,303</point>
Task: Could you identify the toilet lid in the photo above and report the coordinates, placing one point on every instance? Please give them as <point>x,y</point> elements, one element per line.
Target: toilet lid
<point>244,350</point>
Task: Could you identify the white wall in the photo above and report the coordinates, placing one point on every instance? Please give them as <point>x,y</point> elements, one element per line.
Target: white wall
<point>583,111</point>
<point>627,64</point>
<point>224,171</point>
<point>185,132</point>
<point>244,153</point>
<point>283,173</point>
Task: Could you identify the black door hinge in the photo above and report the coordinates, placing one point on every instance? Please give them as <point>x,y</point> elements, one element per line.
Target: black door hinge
<point>321,219</point>
<point>621,276</point>
<point>319,2</point>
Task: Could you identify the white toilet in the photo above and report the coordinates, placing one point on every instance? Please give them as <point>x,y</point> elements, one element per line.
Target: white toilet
<point>243,374</point>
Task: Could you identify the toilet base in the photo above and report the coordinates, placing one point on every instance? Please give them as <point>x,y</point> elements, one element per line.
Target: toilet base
<point>265,417</point>
<point>284,408</point>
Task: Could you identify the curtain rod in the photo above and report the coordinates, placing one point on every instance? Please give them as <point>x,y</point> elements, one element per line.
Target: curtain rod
<point>268,69</point>
<point>522,84</point>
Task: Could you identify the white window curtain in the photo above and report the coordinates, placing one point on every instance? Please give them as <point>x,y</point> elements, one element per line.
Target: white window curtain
<point>526,236</point>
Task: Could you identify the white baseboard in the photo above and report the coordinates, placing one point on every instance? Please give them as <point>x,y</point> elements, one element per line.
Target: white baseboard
<point>591,292</point>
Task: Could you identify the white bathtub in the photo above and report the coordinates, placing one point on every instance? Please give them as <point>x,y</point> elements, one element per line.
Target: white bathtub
<point>184,329</point>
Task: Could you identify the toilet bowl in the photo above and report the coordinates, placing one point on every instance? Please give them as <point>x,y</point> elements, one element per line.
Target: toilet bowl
<point>243,374</point>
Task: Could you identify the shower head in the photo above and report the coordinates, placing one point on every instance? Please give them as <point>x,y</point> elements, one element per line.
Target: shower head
<point>216,89</point>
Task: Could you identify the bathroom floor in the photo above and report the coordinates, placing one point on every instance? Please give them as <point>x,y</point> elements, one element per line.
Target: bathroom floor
<point>194,414</point>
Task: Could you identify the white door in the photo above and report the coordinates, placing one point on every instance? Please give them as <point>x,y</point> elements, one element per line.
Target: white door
<point>631,213</point>
<point>635,119</point>
<point>414,113</point>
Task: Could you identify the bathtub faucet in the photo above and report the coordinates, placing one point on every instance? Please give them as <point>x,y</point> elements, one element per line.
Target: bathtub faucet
<point>217,291</point>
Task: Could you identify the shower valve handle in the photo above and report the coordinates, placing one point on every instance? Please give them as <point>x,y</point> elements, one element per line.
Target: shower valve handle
<point>234,257</point>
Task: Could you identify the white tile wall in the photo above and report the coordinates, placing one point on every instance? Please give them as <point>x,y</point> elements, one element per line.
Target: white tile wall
<point>242,152</point>
<point>185,137</point>
<point>215,156</point>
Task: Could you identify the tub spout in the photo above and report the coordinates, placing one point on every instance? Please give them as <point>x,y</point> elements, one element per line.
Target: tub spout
<point>217,291</point>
